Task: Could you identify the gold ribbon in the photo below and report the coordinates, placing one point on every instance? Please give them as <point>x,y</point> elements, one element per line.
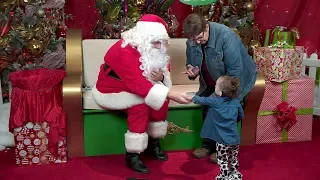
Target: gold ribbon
<point>174,129</point>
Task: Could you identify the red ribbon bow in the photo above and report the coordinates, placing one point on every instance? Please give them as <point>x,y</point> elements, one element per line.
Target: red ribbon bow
<point>286,115</point>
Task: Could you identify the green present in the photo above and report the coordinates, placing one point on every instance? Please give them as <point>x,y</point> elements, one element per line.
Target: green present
<point>269,130</point>
<point>284,36</point>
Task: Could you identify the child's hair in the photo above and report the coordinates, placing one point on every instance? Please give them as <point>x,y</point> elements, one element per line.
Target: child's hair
<point>230,86</point>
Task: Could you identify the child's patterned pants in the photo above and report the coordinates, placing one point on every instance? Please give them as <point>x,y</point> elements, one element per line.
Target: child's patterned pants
<point>227,157</point>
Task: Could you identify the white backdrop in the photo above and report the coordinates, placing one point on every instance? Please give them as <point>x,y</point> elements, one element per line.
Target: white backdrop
<point>6,138</point>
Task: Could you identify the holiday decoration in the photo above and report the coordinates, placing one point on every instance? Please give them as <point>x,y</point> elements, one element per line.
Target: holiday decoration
<point>32,146</point>
<point>12,4</point>
<point>37,118</point>
<point>120,15</point>
<point>285,114</point>
<point>279,64</point>
<point>56,59</point>
<point>282,35</point>
<point>197,2</point>
<point>29,31</point>
<point>35,48</point>
<point>236,14</point>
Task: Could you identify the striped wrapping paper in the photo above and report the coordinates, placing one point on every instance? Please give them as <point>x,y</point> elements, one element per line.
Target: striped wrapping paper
<point>298,93</point>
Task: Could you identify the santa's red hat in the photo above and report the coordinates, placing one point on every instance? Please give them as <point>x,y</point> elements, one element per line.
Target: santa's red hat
<point>151,24</point>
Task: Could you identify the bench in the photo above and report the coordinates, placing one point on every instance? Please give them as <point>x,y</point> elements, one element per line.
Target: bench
<point>94,131</point>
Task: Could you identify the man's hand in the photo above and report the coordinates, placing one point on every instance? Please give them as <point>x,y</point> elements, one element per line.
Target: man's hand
<point>157,75</point>
<point>192,71</point>
<point>179,97</point>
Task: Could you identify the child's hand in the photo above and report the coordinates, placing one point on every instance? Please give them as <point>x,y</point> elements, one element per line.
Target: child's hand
<point>157,75</point>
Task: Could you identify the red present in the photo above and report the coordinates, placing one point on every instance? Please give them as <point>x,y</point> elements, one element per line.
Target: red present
<point>279,64</point>
<point>37,118</point>
<point>32,146</point>
<point>285,113</point>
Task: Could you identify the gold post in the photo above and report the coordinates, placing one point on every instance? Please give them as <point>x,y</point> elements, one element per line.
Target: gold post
<point>72,93</point>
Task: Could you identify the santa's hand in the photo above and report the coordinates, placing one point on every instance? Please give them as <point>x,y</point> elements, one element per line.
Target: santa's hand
<point>157,76</point>
<point>179,97</point>
<point>189,98</point>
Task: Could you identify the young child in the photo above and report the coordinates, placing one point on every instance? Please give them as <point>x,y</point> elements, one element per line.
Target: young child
<point>221,125</point>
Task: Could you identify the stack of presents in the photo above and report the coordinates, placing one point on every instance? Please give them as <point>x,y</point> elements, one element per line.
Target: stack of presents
<point>285,113</point>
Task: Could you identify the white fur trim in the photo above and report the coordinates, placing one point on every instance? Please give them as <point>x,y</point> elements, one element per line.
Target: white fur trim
<point>135,142</point>
<point>157,129</point>
<point>167,79</point>
<point>151,28</point>
<point>157,96</point>
<point>116,101</point>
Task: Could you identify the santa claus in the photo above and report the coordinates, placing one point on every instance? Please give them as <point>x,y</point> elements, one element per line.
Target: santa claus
<point>135,78</point>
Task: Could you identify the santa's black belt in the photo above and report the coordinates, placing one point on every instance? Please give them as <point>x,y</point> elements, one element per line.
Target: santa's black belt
<point>111,72</point>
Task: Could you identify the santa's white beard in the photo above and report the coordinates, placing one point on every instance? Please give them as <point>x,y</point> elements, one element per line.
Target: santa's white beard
<point>153,60</point>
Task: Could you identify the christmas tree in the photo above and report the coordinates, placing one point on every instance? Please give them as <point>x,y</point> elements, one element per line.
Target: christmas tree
<point>239,16</point>
<point>236,14</point>
<point>32,36</point>
<point>119,15</point>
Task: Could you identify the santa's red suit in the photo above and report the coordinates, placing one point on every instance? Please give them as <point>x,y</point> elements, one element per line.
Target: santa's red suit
<point>124,83</point>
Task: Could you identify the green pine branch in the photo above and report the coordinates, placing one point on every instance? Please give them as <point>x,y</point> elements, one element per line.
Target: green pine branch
<point>24,28</point>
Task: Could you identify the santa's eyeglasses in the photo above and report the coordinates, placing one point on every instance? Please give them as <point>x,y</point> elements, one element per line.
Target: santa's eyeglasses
<point>157,44</point>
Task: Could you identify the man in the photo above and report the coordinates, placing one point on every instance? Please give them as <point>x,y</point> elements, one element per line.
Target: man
<point>214,50</point>
<point>135,78</point>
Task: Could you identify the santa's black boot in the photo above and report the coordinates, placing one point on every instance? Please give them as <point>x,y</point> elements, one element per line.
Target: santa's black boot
<point>133,161</point>
<point>155,150</point>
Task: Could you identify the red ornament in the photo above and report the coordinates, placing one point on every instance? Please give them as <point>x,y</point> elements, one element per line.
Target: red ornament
<point>216,18</point>
<point>224,2</point>
<point>61,32</point>
<point>6,27</point>
<point>48,11</point>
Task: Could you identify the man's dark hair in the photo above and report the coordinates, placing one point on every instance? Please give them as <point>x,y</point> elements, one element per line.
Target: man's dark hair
<point>230,86</point>
<point>193,25</point>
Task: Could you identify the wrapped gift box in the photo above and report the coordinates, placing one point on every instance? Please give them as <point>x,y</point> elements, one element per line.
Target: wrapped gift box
<point>299,94</point>
<point>284,35</point>
<point>279,64</point>
<point>32,146</point>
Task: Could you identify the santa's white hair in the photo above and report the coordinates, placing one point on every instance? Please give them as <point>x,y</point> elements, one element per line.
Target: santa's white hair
<point>151,58</point>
